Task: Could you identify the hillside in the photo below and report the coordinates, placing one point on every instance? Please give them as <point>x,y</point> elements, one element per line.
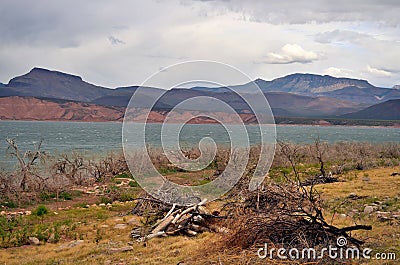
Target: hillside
<point>389,110</point>
<point>29,108</point>
<point>280,102</point>
<point>52,84</point>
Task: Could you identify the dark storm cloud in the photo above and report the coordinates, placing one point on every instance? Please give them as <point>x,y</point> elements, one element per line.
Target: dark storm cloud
<point>115,41</point>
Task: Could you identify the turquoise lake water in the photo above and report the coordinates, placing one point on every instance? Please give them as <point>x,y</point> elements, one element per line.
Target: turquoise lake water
<point>100,138</point>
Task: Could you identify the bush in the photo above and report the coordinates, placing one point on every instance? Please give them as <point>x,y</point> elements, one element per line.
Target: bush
<point>105,200</point>
<point>45,196</point>
<point>10,204</point>
<point>127,196</point>
<point>133,184</point>
<point>66,196</point>
<point>40,211</point>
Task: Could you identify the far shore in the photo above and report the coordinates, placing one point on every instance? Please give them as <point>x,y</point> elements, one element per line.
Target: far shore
<point>312,122</point>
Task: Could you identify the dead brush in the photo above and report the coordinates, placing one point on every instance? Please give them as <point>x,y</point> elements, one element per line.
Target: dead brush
<point>284,215</point>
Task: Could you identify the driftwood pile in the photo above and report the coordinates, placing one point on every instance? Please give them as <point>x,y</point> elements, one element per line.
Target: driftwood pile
<point>189,220</point>
<point>284,214</point>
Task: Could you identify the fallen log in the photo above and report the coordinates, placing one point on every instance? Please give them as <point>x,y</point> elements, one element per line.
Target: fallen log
<point>163,224</point>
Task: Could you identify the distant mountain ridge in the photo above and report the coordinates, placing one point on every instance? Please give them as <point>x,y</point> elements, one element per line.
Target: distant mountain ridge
<point>295,95</point>
<point>389,110</point>
<point>41,82</point>
<point>310,83</point>
<point>355,90</point>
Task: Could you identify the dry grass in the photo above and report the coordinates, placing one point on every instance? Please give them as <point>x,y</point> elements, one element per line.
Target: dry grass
<point>373,182</point>
<point>207,248</point>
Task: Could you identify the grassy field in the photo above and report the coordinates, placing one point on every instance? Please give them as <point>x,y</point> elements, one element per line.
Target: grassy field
<point>90,235</point>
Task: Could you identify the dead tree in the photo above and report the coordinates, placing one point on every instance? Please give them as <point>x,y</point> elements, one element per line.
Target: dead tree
<point>318,151</point>
<point>70,167</point>
<point>27,161</point>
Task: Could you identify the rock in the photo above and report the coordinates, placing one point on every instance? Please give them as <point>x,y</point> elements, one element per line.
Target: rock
<point>342,216</point>
<point>133,221</point>
<point>366,179</point>
<point>28,212</point>
<point>102,204</point>
<point>120,226</point>
<point>368,209</point>
<point>223,230</point>
<point>123,249</point>
<point>71,244</point>
<point>33,241</point>
<point>383,216</point>
<point>104,226</point>
<point>352,195</point>
<point>51,238</point>
<point>382,213</point>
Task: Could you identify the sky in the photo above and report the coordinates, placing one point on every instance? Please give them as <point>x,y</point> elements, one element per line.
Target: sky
<point>123,42</point>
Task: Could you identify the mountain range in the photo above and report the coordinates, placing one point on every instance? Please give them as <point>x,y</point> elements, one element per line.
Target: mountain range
<point>295,95</point>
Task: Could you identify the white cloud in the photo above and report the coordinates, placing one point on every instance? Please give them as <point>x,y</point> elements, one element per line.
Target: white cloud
<point>292,53</point>
<point>378,72</point>
<point>342,36</point>
<point>339,72</point>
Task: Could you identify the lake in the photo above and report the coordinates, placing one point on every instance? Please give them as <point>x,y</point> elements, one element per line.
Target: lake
<point>103,137</point>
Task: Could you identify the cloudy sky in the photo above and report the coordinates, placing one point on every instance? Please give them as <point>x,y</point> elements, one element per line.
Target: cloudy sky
<point>118,43</point>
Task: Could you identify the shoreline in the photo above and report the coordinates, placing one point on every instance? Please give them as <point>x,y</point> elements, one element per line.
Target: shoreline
<point>397,125</point>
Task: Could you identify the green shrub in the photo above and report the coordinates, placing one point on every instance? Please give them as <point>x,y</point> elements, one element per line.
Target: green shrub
<point>9,204</point>
<point>124,175</point>
<point>133,184</point>
<point>66,196</point>
<point>127,196</point>
<point>105,200</point>
<point>45,195</point>
<point>40,211</point>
